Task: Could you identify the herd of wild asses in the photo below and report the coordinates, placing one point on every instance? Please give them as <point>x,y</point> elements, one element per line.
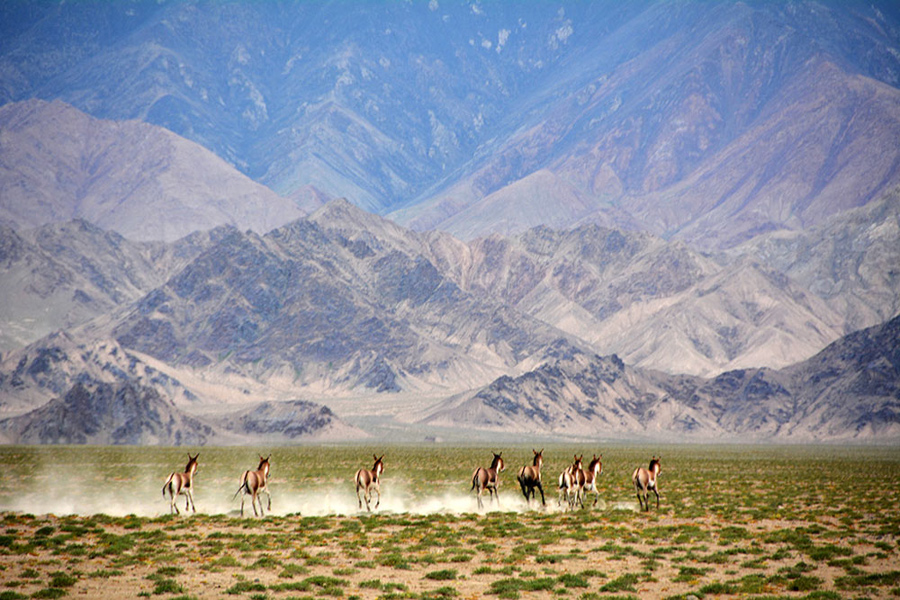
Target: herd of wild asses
<point>573,483</point>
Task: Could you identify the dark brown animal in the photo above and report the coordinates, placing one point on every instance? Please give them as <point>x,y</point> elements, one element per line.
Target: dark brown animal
<point>529,478</point>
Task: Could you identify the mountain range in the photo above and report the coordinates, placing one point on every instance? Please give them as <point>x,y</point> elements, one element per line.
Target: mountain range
<point>600,214</point>
<point>346,304</point>
<point>711,124</point>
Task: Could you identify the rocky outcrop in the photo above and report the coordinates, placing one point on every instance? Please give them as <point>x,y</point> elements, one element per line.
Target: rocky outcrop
<point>94,412</point>
<point>849,391</point>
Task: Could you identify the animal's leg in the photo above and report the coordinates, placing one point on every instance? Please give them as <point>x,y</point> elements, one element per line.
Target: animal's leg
<point>378,491</point>
<point>258,501</point>
<point>478,497</point>
<point>242,505</point>
<point>268,500</point>
<point>657,499</point>
<point>540,487</point>
<point>358,497</point>
<point>190,495</point>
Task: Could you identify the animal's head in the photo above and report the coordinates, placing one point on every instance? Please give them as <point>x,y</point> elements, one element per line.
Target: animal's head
<point>577,464</point>
<point>264,464</point>
<point>192,464</point>
<point>538,457</point>
<point>596,464</point>
<point>498,463</point>
<point>378,467</point>
<point>655,465</point>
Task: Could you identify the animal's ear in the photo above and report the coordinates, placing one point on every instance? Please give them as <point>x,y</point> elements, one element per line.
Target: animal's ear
<point>375,456</point>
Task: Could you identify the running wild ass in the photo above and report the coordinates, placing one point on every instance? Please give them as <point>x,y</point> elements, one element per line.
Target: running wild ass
<point>182,483</point>
<point>530,477</point>
<point>369,481</point>
<point>253,483</point>
<point>645,482</point>
<point>566,486</point>
<point>488,479</point>
<point>585,480</point>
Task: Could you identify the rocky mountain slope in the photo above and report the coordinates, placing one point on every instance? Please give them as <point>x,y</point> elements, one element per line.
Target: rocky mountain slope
<point>849,391</point>
<point>712,124</point>
<point>310,305</point>
<point>59,391</point>
<point>348,304</point>
<point>655,303</point>
<point>850,261</point>
<point>94,412</point>
<point>137,179</point>
<point>63,274</point>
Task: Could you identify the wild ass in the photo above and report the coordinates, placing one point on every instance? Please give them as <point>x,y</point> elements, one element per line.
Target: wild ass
<point>253,483</point>
<point>586,479</point>
<point>488,479</point>
<point>369,481</point>
<point>530,477</point>
<point>644,481</point>
<point>182,483</point>
<point>566,486</point>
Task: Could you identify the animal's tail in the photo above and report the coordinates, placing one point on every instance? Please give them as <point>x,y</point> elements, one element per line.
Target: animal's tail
<point>166,484</point>
<point>242,486</point>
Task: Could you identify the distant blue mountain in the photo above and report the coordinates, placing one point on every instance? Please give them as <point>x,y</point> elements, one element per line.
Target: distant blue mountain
<point>432,107</point>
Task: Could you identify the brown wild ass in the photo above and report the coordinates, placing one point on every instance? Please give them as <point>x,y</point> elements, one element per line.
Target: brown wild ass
<point>488,479</point>
<point>585,480</point>
<point>253,483</point>
<point>530,477</point>
<point>644,481</point>
<point>566,486</point>
<point>369,481</point>
<point>182,483</point>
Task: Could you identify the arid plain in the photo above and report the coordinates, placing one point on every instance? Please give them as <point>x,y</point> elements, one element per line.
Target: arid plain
<point>764,522</point>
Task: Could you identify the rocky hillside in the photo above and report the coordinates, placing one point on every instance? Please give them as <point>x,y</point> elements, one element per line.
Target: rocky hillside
<point>654,303</point>
<point>849,391</point>
<point>326,308</point>
<point>139,180</point>
<point>288,421</point>
<point>58,391</point>
<point>850,261</point>
<point>94,412</point>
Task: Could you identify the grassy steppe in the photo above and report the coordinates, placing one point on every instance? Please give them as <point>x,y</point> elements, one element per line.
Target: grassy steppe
<point>753,522</point>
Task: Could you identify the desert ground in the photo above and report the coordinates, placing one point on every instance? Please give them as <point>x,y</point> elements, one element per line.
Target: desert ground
<point>785,523</point>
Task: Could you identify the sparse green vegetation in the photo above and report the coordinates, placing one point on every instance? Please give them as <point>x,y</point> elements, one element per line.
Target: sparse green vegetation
<point>730,524</point>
